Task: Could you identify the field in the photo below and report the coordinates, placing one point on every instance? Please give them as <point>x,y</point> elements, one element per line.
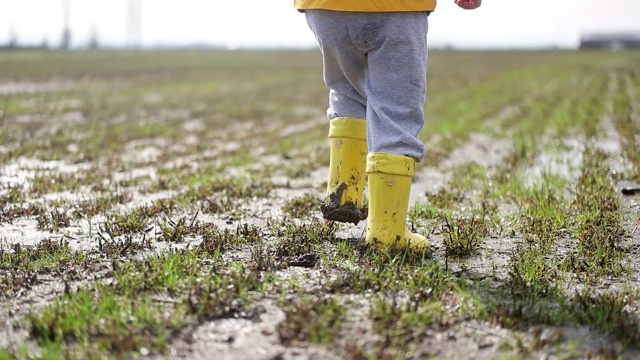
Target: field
<point>166,205</point>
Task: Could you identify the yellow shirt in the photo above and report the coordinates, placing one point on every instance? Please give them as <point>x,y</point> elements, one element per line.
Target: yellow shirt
<point>367,5</point>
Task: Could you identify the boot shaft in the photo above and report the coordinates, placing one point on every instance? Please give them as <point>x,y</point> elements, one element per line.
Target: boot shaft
<point>347,161</point>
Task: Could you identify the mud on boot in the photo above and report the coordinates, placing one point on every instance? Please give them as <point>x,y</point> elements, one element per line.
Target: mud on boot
<point>344,200</point>
<point>347,212</point>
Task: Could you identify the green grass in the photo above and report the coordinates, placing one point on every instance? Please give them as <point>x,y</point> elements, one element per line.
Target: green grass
<point>46,255</point>
<point>316,321</point>
<point>22,267</point>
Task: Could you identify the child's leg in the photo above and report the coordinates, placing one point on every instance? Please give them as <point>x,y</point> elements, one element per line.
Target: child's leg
<point>344,67</point>
<point>376,67</point>
<point>396,44</point>
<point>397,80</point>
<point>344,74</point>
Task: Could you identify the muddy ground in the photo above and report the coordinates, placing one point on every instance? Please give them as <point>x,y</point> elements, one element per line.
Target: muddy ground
<point>82,146</point>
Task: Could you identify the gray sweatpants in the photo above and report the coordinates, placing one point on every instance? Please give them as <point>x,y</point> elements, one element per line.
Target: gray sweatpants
<point>375,65</point>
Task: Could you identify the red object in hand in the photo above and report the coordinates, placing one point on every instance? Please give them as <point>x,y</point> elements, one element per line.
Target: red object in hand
<point>468,4</point>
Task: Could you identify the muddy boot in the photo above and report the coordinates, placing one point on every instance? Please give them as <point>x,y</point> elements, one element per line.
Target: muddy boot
<point>347,160</point>
<point>390,178</point>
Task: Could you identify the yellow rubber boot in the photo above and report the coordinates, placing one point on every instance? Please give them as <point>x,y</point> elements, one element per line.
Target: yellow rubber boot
<point>347,161</point>
<point>390,177</point>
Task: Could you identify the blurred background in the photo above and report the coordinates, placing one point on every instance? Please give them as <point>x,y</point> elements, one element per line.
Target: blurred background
<point>146,24</point>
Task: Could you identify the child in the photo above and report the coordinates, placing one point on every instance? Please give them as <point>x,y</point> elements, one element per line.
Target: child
<point>375,66</point>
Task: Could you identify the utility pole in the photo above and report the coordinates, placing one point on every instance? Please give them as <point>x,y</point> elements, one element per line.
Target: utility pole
<point>94,42</point>
<point>13,39</point>
<point>134,24</point>
<point>65,41</point>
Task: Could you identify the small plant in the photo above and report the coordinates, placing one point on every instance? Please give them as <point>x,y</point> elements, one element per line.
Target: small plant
<point>121,247</point>
<point>54,220</point>
<point>262,259</point>
<point>530,275</point>
<point>225,295</point>
<point>609,313</point>
<point>171,231</point>
<point>544,215</point>
<point>21,266</point>
<point>218,205</point>
<point>315,232</point>
<point>157,208</point>
<point>422,211</point>
<point>317,321</point>
<point>301,207</point>
<point>296,251</point>
<point>237,187</point>
<point>599,225</point>
<point>462,236</point>
<point>599,251</point>
<point>129,223</point>
<point>216,241</point>
<point>101,317</point>
<point>13,195</point>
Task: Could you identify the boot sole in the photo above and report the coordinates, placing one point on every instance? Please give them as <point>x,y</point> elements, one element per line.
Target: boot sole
<point>347,213</point>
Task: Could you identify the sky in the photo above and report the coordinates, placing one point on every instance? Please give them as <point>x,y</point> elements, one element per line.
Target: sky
<point>274,23</point>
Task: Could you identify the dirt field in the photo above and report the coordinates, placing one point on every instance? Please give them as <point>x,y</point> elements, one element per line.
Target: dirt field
<point>166,205</point>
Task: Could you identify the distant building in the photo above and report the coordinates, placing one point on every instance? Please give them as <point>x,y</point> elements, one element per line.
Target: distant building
<point>613,41</point>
